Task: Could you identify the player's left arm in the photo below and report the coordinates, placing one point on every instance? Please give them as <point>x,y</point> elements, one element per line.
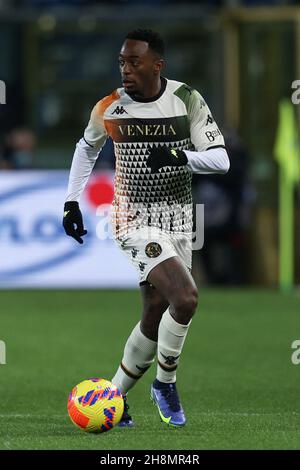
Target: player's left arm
<point>210,155</point>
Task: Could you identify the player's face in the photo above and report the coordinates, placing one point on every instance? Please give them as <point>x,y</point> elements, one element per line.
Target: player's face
<point>139,67</point>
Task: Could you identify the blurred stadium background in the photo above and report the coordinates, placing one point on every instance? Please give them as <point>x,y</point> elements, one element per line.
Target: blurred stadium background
<point>57,58</point>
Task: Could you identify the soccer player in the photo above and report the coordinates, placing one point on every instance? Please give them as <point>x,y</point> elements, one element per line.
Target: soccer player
<point>163,131</point>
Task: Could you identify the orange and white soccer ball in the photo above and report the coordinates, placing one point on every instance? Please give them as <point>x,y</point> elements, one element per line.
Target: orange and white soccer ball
<point>95,405</point>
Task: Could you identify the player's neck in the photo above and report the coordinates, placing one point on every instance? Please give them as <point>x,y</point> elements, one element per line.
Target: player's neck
<point>152,93</point>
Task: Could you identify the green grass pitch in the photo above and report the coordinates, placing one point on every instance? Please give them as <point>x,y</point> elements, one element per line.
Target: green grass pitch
<point>237,383</point>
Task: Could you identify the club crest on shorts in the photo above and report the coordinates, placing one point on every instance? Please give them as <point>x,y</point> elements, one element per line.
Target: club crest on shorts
<point>153,250</point>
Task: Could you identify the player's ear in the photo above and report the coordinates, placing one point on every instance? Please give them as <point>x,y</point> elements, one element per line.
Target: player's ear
<point>158,65</point>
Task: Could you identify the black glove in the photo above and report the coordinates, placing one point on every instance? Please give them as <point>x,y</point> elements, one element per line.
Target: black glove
<point>72,218</point>
<point>165,156</point>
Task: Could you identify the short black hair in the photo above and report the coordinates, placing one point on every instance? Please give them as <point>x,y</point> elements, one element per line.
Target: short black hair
<point>154,39</point>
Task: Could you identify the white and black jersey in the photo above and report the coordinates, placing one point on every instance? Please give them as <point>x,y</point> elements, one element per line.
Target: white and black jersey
<point>177,117</point>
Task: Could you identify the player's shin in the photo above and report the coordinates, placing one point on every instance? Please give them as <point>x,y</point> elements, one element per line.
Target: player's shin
<point>139,354</point>
<point>171,337</point>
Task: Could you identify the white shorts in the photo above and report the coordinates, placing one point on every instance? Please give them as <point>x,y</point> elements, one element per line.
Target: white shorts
<point>147,247</point>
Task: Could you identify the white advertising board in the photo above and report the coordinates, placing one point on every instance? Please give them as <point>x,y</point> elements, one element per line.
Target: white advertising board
<point>34,249</point>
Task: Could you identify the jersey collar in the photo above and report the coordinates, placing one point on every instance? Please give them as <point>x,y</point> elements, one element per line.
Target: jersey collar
<point>154,98</point>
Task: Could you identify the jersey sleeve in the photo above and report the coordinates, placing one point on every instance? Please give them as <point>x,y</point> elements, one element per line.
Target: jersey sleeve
<point>86,153</point>
<point>205,133</point>
<point>95,133</point>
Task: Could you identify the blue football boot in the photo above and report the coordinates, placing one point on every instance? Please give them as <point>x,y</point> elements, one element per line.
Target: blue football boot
<point>126,420</point>
<point>165,397</point>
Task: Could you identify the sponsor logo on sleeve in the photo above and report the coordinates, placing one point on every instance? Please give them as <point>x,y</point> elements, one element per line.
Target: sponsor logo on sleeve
<point>211,135</point>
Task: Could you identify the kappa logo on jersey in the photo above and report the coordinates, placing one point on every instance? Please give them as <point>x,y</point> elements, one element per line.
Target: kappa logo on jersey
<point>209,120</point>
<point>142,266</point>
<point>123,243</point>
<point>119,110</point>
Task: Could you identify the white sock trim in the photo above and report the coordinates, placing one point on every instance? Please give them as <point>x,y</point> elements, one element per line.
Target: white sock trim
<point>141,339</point>
<point>173,326</point>
<point>139,354</point>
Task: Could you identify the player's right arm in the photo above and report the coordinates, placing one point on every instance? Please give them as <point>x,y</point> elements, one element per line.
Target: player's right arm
<point>85,156</point>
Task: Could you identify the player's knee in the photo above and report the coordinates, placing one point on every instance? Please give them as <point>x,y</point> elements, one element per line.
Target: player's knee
<point>186,304</point>
<point>192,301</point>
